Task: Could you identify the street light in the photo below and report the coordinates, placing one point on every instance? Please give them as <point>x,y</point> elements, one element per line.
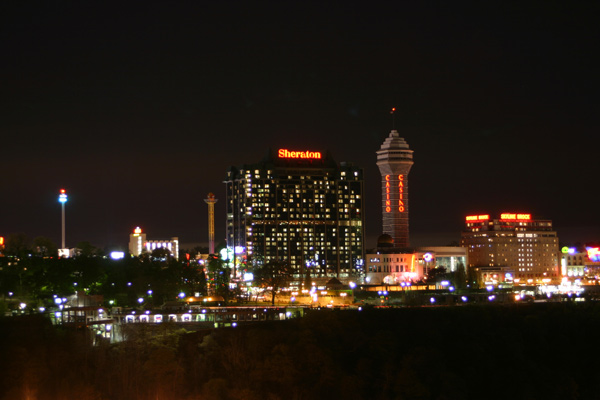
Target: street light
<point>62,198</point>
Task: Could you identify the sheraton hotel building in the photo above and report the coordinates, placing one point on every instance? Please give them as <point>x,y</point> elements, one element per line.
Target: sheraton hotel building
<point>298,207</point>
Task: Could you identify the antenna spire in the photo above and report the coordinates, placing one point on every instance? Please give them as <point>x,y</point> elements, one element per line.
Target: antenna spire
<point>393,118</point>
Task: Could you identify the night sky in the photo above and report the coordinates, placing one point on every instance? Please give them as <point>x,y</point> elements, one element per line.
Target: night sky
<point>138,109</point>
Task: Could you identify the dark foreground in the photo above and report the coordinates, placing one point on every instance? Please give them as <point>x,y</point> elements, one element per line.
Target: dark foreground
<point>538,351</point>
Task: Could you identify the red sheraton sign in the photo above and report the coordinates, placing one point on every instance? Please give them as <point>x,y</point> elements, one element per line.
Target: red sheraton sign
<point>284,153</point>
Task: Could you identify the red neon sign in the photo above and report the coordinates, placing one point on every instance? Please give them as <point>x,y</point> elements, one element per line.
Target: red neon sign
<point>474,218</point>
<point>284,153</point>
<point>515,217</point>
<point>388,200</point>
<point>401,192</point>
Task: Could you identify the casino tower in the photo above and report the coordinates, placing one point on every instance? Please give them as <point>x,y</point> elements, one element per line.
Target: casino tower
<point>394,160</point>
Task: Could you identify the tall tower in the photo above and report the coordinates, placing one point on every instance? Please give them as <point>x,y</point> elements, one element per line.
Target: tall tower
<point>394,160</point>
<point>62,198</point>
<point>211,200</point>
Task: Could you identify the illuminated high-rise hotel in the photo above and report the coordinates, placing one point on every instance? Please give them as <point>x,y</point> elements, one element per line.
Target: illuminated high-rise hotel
<point>514,246</point>
<point>298,207</point>
<point>394,160</point>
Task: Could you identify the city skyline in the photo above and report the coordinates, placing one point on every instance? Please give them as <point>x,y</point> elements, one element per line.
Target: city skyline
<point>140,121</point>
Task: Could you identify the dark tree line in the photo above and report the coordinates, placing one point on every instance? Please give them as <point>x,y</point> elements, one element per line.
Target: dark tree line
<point>517,352</point>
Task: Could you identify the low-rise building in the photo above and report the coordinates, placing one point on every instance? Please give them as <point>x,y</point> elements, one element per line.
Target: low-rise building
<point>393,266</point>
<point>138,244</point>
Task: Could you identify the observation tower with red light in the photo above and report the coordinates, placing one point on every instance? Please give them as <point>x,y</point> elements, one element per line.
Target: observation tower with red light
<point>394,160</point>
<point>62,198</point>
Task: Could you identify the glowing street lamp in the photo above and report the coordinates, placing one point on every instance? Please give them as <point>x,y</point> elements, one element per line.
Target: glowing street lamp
<point>62,198</point>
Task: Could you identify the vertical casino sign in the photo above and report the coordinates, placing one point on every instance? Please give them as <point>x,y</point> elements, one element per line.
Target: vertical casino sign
<point>394,185</point>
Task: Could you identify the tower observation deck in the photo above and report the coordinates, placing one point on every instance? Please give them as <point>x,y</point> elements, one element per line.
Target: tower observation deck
<point>394,160</point>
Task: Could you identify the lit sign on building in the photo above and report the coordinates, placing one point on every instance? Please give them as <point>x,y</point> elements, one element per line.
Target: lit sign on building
<point>388,186</point>
<point>137,231</point>
<point>593,253</point>
<point>401,192</point>
<point>515,217</point>
<point>284,153</point>
<point>472,218</point>
<point>568,250</point>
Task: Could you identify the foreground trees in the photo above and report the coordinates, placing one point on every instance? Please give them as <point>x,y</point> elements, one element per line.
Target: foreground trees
<point>418,353</point>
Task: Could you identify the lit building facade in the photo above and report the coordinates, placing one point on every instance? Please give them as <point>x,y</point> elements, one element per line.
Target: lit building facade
<point>395,160</point>
<point>580,263</point>
<point>394,266</point>
<point>138,244</point>
<point>299,207</point>
<point>513,248</point>
<point>572,262</point>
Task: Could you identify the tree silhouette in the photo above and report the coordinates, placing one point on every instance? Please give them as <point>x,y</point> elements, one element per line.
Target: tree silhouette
<point>272,276</point>
<point>17,244</point>
<point>218,276</point>
<point>44,247</point>
<point>86,249</point>
<point>460,277</point>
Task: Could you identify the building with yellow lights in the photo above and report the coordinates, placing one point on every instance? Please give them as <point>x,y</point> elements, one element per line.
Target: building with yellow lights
<point>581,263</point>
<point>138,244</point>
<point>513,248</point>
<point>298,207</point>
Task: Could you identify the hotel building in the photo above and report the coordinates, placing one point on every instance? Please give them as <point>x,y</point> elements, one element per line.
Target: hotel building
<point>138,244</point>
<point>299,207</point>
<point>394,160</point>
<point>512,248</point>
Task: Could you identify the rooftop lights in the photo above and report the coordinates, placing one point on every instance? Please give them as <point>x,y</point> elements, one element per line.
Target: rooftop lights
<point>62,197</point>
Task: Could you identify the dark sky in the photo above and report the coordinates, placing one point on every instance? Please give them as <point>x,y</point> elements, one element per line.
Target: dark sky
<point>138,108</point>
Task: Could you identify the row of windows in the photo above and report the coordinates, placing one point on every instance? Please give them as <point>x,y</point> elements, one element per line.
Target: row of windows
<point>389,268</point>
